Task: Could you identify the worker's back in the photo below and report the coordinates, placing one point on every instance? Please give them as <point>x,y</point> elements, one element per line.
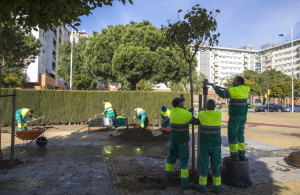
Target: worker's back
<point>210,129</point>
<point>180,119</point>
<point>238,100</point>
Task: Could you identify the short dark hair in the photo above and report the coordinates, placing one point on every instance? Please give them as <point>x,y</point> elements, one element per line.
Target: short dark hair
<point>177,101</point>
<point>31,111</point>
<point>104,101</point>
<point>241,80</point>
<point>211,104</point>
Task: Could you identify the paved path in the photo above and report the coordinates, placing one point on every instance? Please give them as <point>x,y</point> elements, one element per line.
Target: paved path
<point>75,162</point>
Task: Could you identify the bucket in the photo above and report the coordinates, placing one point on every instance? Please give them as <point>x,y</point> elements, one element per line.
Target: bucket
<point>106,121</point>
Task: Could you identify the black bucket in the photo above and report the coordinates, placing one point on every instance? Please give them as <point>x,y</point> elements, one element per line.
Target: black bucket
<point>236,173</point>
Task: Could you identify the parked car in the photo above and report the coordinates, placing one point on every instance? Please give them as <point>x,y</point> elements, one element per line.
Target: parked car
<point>289,108</point>
<point>272,108</point>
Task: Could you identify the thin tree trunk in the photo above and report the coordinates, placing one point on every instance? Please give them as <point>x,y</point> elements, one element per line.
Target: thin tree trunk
<point>193,132</point>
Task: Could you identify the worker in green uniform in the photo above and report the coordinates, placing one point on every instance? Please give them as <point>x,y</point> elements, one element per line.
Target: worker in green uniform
<point>238,109</point>
<point>108,110</point>
<point>210,146</point>
<point>165,115</point>
<point>141,114</point>
<point>21,117</point>
<point>179,137</point>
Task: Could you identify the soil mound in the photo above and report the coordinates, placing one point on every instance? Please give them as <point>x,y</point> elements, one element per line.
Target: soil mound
<point>139,135</point>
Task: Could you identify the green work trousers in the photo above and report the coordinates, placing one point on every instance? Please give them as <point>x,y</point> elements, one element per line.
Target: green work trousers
<point>180,150</point>
<point>212,153</point>
<point>236,140</point>
<point>143,118</point>
<point>20,119</point>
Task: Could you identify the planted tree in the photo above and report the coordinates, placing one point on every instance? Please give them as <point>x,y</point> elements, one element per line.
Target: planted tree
<point>196,32</point>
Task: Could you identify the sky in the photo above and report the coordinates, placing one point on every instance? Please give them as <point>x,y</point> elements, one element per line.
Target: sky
<point>240,23</point>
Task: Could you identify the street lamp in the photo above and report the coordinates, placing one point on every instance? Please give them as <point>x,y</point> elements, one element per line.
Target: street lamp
<point>292,68</point>
<point>71,64</point>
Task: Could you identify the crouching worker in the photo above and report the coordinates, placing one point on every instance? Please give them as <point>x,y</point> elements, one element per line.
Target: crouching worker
<point>141,114</point>
<point>210,146</point>
<point>179,138</point>
<point>109,111</point>
<point>21,117</point>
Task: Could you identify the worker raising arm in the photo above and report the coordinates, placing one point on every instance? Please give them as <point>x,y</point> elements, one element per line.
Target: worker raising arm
<point>238,109</point>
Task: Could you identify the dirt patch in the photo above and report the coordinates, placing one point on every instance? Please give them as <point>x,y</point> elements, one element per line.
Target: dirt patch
<point>7,164</point>
<point>295,134</point>
<point>139,135</point>
<point>140,184</point>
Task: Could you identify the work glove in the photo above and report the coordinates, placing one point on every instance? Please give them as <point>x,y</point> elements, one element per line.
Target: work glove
<point>191,109</point>
<point>213,85</point>
<point>134,117</point>
<point>102,113</point>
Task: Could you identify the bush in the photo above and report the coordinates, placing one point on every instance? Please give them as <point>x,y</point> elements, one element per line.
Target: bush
<point>63,107</point>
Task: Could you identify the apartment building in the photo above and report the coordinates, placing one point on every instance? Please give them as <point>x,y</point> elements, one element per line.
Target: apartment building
<point>40,74</point>
<point>280,57</point>
<point>220,63</point>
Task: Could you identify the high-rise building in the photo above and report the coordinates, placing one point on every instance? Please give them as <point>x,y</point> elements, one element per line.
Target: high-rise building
<point>220,63</point>
<point>279,57</point>
<point>40,74</point>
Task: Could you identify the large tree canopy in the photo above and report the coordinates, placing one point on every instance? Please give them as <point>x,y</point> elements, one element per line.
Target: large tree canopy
<point>134,52</point>
<point>17,50</point>
<point>46,14</point>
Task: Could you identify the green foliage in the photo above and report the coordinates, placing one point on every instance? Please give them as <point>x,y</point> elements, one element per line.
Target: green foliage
<point>83,81</point>
<point>195,32</point>
<point>16,47</point>
<point>284,89</point>
<point>46,14</point>
<point>62,107</point>
<point>254,87</point>
<point>229,82</point>
<point>144,86</point>
<point>183,84</point>
<point>264,80</point>
<point>81,78</point>
<point>13,79</point>
<point>271,77</point>
<point>127,54</point>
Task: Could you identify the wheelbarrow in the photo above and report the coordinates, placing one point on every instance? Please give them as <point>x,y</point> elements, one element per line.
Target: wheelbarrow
<point>31,135</point>
<point>166,131</point>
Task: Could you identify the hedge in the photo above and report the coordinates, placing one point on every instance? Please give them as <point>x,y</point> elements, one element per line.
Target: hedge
<point>75,107</point>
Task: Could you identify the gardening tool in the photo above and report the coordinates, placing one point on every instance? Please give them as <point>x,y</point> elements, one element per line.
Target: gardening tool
<point>207,83</point>
<point>36,119</point>
<point>98,114</point>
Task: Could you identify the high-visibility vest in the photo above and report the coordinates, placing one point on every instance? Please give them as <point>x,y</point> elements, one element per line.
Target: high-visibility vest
<point>180,119</point>
<point>24,111</point>
<point>166,113</point>
<point>140,111</point>
<point>210,128</point>
<point>239,92</point>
